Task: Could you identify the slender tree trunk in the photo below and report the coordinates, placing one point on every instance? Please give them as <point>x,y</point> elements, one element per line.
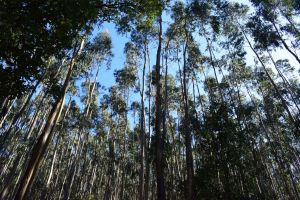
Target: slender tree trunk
<point>142,137</point>
<point>187,131</point>
<point>56,148</point>
<point>286,82</point>
<point>5,111</point>
<point>297,126</point>
<point>45,138</point>
<point>148,136</point>
<point>285,44</point>
<point>161,194</point>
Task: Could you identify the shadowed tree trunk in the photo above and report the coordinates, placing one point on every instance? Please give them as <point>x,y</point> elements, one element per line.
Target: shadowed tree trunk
<point>161,195</point>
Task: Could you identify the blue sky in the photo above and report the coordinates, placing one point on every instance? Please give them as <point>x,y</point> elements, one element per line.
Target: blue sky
<point>106,77</point>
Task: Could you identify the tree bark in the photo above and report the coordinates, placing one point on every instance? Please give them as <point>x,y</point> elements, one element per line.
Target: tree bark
<point>142,136</point>
<point>46,136</point>
<point>187,131</point>
<point>158,136</point>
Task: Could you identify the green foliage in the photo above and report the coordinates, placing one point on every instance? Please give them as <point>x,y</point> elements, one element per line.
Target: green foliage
<point>239,114</point>
<point>263,33</point>
<point>35,32</point>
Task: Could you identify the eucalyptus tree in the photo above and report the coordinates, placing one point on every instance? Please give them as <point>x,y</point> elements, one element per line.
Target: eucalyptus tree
<point>126,79</point>
<point>46,136</point>
<point>267,21</point>
<point>159,143</point>
<point>141,36</point>
<point>28,45</point>
<point>215,117</point>
<point>182,22</point>
<point>276,87</point>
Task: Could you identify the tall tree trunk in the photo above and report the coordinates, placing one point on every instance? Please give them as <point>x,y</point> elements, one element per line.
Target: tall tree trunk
<point>142,136</point>
<point>46,136</point>
<point>148,136</point>
<point>56,148</point>
<point>5,111</point>
<point>187,131</point>
<point>161,194</point>
<point>284,43</point>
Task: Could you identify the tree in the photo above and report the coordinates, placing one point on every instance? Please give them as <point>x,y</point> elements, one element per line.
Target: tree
<point>203,103</point>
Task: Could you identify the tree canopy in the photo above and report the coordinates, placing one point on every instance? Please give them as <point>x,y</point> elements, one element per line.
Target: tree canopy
<point>203,105</point>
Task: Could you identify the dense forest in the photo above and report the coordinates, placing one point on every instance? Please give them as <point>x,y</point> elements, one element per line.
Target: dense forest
<point>206,104</point>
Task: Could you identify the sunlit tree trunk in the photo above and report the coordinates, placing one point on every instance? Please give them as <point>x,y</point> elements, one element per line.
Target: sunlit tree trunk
<point>143,130</point>
<point>45,138</point>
